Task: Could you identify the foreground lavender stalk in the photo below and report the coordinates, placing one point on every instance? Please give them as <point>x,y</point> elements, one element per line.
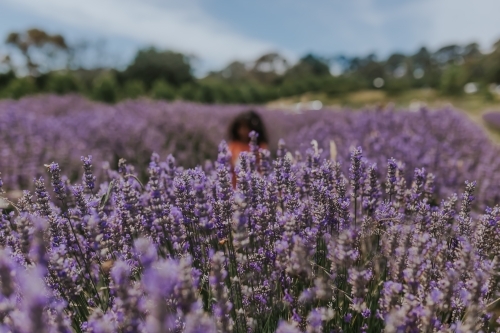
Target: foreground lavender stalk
<point>88,177</point>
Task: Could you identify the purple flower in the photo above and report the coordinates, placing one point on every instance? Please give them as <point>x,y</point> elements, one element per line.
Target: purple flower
<point>42,198</point>
<point>57,184</point>
<point>355,170</point>
<point>223,306</point>
<point>88,177</point>
<point>314,322</point>
<point>391,176</point>
<point>284,327</point>
<point>145,251</point>
<point>186,252</point>
<point>199,323</point>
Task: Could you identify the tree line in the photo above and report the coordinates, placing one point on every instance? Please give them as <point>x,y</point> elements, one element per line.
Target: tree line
<point>34,61</point>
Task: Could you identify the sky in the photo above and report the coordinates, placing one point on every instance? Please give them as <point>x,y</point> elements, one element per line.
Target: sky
<point>220,31</point>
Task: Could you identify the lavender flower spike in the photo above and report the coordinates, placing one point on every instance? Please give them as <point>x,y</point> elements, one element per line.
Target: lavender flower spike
<point>355,172</point>
<point>88,176</point>
<point>223,306</point>
<point>57,183</point>
<point>390,184</point>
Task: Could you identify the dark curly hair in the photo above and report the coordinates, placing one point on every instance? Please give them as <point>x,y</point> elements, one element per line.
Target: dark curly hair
<point>253,121</point>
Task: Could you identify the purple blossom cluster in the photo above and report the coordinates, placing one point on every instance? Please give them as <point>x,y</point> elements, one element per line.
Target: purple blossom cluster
<point>297,246</point>
<point>444,142</point>
<point>492,119</point>
<point>35,131</point>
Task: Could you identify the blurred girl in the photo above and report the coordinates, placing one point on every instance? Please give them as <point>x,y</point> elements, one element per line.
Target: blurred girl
<point>239,130</point>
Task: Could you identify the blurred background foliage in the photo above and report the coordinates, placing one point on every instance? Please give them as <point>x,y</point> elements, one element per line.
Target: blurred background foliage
<point>49,64</point>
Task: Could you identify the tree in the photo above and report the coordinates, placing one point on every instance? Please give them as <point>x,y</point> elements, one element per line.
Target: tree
<point>369,69</point>
<point>472,51</point>
<point>492,65</point>
<point>422,59</point>
<point>5,63</point>
<point>448,54</point>
<point>394,62</point>
<point>308,66</point>
<point>151,64</point>
<point>453,80</point>
<point>431,73</point>
<point>317,65</point>
<point>473,62</point>
<point>36,41</point>
<point>269,67</point>
<point>235,72</point>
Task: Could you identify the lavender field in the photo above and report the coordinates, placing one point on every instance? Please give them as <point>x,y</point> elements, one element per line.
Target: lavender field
<point>395,230</point>
<point>39,130</point>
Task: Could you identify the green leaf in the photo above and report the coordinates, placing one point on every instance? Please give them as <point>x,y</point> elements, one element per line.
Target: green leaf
<point>105,197</point>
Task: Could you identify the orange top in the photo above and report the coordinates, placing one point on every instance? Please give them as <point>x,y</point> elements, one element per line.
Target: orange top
<point>236,148</point>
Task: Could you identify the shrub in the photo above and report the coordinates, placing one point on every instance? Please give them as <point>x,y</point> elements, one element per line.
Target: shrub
<point>20,87</point>
<point>163,90</point>
<point>133,89</point>
<point>188,92</point>
<point>105,89</point>
<point>62,83</point>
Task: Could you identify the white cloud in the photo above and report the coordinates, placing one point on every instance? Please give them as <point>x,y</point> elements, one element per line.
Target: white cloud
<point>433,23</point>
<point>180,26</point>
<point>361,26</point>
<point>462,21</point>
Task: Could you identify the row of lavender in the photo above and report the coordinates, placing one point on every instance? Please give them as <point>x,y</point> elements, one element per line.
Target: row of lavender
<point>296,247</point>
<point>38,130</point>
